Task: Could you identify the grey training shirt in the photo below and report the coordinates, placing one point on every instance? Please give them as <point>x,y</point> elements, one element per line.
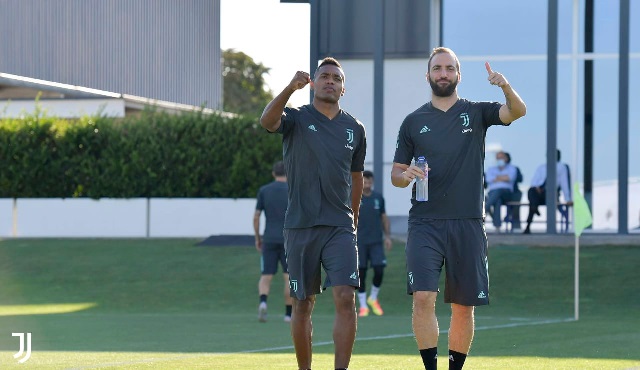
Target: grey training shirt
<point>453,144</point>
<point>319,156</point>
<point>370,220</point>
<point>272,199</point>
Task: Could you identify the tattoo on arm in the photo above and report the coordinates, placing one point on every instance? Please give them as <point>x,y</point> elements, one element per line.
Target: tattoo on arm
<point>508,99</point>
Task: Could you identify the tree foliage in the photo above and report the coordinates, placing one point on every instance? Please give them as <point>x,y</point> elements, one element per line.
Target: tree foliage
<point>244,88</point>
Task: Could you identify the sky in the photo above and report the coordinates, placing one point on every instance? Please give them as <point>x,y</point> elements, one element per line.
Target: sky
<point>274,34</point>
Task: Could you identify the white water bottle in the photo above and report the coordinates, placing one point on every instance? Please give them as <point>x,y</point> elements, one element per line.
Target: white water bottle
<point>422,185</point>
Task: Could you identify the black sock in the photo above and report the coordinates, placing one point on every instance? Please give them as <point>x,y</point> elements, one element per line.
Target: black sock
<point>263,298</point>
<point>288,310</point>
<point>456,360</point>
<point>430,358</point>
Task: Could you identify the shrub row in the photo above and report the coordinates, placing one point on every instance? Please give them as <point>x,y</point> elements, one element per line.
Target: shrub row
<point>150,155</point>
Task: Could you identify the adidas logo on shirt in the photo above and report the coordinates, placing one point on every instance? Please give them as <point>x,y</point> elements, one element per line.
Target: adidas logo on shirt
<point>312,128</point>
<point>425,129</point>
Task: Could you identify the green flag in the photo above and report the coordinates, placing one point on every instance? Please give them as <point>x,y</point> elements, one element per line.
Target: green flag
<point>581,212</point>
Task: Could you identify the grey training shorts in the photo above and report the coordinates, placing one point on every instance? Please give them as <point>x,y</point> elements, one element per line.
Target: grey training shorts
<point>373,253</point>
<point>461,246</point>
<point>272,253</point>
<point>334,248</point>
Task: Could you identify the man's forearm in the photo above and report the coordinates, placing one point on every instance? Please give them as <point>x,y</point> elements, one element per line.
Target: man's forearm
<point>272,113</point>
<point>385,226</point>
<point>398,179</point>
<point>356,195</point>
<point>256,227</point>
<point>514,103</point>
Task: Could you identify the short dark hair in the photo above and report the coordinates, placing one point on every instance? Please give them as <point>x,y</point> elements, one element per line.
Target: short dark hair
<point>440,50</point>
<point>328,61</point>
<point>367,174</point>
<point>278,168</point>
<point>508,157</point>
<point>558,151</point>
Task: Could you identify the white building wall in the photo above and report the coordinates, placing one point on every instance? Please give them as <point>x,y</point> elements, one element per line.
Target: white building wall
<point>126,218</point>
<point>200,218</point>
<point>63,108</point>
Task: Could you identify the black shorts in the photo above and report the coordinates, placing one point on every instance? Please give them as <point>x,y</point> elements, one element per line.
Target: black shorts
<point>373,252</point>
<point>272,253</point>
<point>461,245</point>
<point>333,248</point>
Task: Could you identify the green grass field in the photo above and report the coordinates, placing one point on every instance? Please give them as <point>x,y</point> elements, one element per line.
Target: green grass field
<point>166,304</point>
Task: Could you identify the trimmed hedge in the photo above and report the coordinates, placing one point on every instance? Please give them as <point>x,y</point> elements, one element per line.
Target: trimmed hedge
<point>150,155</point>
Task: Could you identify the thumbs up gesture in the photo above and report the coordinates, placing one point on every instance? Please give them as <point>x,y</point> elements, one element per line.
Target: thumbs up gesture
<point>495,78</point>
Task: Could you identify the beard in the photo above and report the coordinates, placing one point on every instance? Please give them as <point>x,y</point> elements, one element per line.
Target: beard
<point>441,91</point>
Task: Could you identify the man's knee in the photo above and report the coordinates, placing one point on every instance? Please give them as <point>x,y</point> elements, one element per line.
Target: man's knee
<point>460,311</point>
<point>266,278</point>
<point>304,307</point>
<point>424,301</point>
<point>378,270</point>
<point>344,296</point>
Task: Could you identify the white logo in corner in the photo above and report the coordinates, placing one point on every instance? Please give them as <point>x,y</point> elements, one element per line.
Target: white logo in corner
<point>482,295</point>
<point>312,128</point>
<point>27,354</point>
<point>353,276</point>
<point>293,284</point>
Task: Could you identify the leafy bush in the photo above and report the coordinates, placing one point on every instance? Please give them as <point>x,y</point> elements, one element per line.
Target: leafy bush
<point>153,154</point>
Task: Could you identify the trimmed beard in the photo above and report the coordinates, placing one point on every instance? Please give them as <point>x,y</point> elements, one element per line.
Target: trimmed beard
<point>443,92</point>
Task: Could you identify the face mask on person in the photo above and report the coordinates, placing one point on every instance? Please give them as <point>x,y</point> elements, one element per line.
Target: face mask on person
<point>500,162</point>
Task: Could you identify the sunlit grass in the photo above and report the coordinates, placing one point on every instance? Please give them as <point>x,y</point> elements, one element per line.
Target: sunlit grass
<point>44,309</point>
<point>268,361</point>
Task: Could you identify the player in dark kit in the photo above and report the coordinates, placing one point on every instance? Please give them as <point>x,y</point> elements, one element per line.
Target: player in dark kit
<point>448,229</point>
<point>372,224</point>
<point>272,199</point>
<point>324,149</point>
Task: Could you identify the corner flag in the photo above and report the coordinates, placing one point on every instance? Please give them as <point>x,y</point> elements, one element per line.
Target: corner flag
<point>581,219</point>
<point>582,214</point>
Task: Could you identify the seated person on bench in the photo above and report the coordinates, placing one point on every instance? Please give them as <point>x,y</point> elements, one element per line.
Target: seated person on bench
<point>513,213</point>
<point>500,181</point>
<point>537,192</point>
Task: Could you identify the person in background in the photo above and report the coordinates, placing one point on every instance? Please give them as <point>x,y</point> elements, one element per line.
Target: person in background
<point>501,179</point>
<point>537,193</point>
<point>513,213</point>
<point>272,199</point>
<point>373,232</point>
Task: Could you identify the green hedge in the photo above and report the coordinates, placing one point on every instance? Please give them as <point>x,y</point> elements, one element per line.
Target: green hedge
<point>150,155</point>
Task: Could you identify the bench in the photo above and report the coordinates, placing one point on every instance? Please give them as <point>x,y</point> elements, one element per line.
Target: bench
<point>563,208</point>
